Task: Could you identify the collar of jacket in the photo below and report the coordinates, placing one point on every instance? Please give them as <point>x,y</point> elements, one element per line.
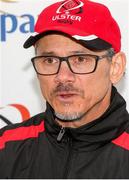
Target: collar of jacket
<point>96,133</point>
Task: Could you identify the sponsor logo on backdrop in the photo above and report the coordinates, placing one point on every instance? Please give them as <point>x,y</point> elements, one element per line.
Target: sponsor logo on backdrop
<point>21,109</point>
<point>10,23</point>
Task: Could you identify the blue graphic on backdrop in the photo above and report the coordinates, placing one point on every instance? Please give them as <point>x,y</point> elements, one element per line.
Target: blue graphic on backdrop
<point>27,26</point>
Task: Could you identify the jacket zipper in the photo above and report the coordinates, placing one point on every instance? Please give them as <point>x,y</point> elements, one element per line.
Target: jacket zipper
<point>70,144</point>
<point>61,134</point>
<point>68,163</point>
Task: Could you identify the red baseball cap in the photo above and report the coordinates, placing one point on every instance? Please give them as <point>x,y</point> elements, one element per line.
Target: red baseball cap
<point>84,20</point>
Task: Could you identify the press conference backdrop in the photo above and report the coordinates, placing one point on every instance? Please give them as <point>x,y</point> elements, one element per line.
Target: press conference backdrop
<point>20,95</point>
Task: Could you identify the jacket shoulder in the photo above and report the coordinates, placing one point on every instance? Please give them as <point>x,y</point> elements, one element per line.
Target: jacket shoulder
<point>123,140</point>
<point>21,131</point>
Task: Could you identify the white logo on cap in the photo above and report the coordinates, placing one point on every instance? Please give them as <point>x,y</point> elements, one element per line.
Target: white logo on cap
<point>73,8</point>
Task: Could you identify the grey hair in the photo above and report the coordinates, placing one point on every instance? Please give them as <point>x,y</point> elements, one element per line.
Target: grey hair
<point>111,52</point>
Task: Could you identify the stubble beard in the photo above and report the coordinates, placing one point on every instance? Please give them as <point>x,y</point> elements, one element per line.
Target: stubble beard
<point>69,116</point>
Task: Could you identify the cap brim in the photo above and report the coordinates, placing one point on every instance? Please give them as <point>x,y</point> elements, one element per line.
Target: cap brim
<point>94,44</point>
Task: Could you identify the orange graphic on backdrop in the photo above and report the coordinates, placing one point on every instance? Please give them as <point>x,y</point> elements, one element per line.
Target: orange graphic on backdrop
<point>25,114</point>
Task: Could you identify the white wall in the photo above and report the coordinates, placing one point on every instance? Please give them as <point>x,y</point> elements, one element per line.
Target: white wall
<point>18,83</point>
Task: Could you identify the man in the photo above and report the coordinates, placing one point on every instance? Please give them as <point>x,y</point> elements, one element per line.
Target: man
<point>84,132</point>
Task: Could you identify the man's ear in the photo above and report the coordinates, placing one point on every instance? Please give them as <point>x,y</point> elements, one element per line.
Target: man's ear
<point>117,67</point>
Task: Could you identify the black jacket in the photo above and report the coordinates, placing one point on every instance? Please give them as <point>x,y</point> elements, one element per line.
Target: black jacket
<point>39,148</point>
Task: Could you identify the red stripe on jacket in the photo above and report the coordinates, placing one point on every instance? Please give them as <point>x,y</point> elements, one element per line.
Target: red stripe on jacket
<point>122,141</point>
<point>21,133</point>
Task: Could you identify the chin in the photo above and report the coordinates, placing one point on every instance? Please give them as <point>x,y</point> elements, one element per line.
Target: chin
<point>72,116</point>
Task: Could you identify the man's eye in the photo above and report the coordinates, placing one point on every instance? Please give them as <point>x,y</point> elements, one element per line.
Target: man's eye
<point>50,60</point>
<point>81,59</point>
<point>85,59</point>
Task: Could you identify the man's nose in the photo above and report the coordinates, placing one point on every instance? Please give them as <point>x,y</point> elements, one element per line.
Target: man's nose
<point>65,74</point>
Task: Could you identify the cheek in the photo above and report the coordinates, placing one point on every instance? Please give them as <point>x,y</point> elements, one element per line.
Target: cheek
<point>46,85</point>
<point>97,84</point>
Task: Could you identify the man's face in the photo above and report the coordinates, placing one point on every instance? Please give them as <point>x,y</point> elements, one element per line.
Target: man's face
<point>72,95</point>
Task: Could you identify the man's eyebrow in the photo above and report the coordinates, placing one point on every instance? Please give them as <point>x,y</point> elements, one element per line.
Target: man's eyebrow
<point>69,52</point>
<point>47,53</point>
<point>78,52</point>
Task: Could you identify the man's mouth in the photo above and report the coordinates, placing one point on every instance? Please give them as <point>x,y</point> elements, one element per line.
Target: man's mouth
<point>66,96</point>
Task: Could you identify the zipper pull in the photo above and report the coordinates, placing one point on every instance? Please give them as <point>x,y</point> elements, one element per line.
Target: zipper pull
<point>61,133</point>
